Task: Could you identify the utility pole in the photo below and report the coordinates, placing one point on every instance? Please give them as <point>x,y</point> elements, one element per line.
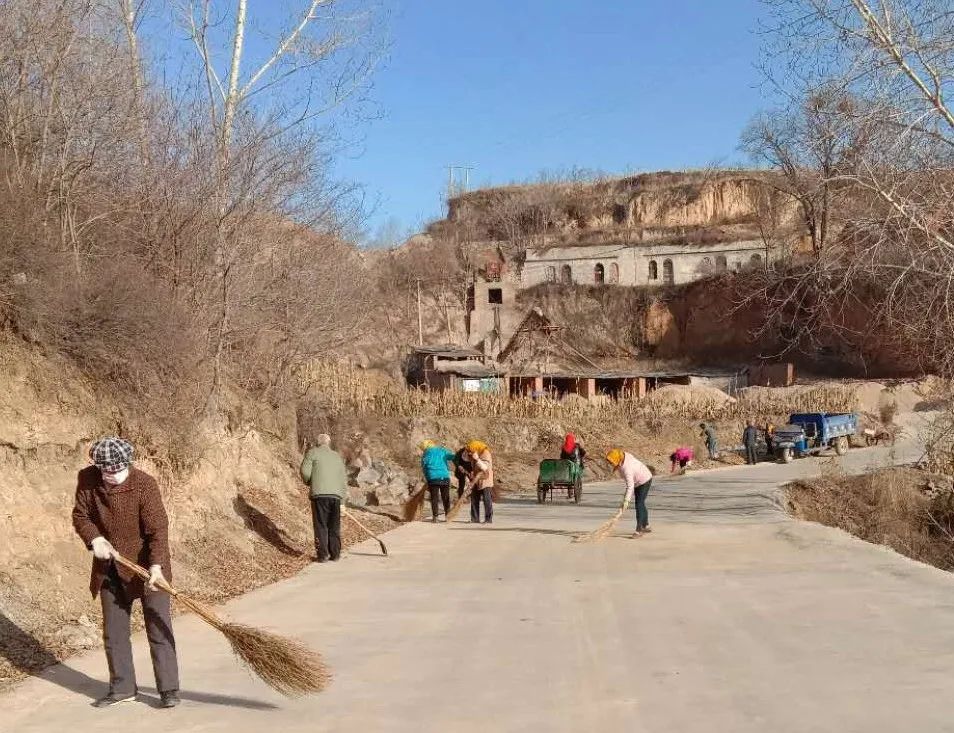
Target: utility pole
<point>420,320</point>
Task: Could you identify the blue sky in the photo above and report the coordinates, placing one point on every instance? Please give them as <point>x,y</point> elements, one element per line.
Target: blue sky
<point>515,87</point>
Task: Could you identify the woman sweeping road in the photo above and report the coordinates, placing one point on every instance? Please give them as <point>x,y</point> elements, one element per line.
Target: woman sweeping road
<point>638,480</point>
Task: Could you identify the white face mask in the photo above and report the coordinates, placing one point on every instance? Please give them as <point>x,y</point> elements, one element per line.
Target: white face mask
<point>116,478</point>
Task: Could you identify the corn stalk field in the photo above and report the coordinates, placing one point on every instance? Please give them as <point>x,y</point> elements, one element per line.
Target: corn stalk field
<point>343,389</point>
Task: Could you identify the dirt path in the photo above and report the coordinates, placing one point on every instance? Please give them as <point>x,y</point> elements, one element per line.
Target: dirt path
<point>730,616</point>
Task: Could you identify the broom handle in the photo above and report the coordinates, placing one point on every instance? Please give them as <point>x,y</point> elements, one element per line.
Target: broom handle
<point>199,609</point>
<point>351,516</point>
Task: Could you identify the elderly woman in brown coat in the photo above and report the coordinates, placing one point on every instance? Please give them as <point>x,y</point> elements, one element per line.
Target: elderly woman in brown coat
<point>119,509</point>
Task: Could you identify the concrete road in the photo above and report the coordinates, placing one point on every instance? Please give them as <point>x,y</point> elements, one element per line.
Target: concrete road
<point>729,617</point>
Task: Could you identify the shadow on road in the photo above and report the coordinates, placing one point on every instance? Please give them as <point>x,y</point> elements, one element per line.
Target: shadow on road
<point>29,655</point>
<point>522,530</point>
<point>208,698</point>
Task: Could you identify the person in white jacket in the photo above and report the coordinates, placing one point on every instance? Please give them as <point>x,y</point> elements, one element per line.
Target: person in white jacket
<point>638,480</point>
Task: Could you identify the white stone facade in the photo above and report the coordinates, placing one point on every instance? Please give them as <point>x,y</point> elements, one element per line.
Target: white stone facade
<point>638,263</point>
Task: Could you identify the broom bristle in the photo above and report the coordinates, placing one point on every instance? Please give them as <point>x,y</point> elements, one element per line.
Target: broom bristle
<point>600,532</point>
<point>413,505</point>
<point>285,665</point>
<point>455,508</point>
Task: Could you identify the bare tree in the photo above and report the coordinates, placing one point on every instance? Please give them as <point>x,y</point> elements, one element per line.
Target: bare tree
<point>892,64</point>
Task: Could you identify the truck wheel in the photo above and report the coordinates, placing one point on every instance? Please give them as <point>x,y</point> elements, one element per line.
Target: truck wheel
<point>787,455</point>
<point>841,445</point>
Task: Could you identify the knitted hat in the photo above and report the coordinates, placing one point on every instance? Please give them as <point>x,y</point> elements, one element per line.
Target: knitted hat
<point>111,454</point>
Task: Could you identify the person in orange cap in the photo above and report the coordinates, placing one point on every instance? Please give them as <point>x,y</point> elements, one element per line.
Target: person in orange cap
<point>638,479</point>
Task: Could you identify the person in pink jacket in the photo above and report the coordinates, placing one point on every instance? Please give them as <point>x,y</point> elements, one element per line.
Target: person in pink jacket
<point>681,457</point>
<point>638,480</point>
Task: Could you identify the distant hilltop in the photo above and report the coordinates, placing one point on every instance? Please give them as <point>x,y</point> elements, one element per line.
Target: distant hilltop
<point>693,208</point>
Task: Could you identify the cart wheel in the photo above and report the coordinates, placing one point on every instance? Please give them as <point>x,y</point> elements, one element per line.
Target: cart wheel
<point>841,445</point>
<point>578,491</point>
<point>787,455</point>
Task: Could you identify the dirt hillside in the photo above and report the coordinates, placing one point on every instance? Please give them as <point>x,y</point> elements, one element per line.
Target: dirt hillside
<point>238,521</point>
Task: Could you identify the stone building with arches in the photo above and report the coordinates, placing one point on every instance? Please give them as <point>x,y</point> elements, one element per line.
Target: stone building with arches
<point>638,263</point>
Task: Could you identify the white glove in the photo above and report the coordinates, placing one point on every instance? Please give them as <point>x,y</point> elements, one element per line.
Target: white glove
<point>102,550</point>
<point>155,575</point>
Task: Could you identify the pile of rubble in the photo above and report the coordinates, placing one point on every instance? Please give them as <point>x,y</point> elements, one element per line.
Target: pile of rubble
<point>375,483</point>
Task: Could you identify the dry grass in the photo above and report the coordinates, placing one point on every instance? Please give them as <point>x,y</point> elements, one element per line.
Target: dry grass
<point>887,507</point>
<point>344,389</point>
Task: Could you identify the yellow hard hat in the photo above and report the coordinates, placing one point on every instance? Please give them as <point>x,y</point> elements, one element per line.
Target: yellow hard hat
<point>615,457</point>
<point>425,444</point>
<point>476,446</point>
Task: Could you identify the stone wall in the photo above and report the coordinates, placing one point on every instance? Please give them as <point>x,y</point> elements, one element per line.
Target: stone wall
<point>638,264</point>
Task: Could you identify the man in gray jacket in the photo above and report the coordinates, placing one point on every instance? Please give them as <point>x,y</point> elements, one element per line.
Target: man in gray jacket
<point>324,470</point>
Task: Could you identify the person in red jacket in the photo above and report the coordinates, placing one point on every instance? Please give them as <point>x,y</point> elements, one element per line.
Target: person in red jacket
<point>118,510</point>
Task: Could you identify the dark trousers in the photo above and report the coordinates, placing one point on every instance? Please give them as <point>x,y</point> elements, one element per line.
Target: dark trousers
<point>751,457</point>
<point>476,497</point>
<point>461,485</point>
<point>162,645</point>
<point>440,494</point>
<point>642,513</point>
<point>326,518</point>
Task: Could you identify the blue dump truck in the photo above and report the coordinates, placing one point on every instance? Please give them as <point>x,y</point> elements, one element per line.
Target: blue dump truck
<point>811,433</point>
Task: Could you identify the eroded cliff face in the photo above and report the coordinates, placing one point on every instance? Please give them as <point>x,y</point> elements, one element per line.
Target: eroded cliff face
<point>721,201</point>
<point>651,206</point>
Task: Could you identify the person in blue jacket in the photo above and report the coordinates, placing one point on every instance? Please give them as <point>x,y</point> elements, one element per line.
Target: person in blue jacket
<point>434,464</point>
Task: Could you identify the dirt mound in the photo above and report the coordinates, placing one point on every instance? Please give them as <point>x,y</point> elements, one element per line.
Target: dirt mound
<point>675,394</point>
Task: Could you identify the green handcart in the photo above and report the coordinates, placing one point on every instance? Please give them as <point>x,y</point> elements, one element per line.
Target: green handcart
<point>558,474</point>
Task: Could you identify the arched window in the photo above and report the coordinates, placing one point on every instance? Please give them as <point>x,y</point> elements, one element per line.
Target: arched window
<point>566,274</point>
<point>599,274</point>
<point>614,274</point>
<point>756,260</point>
<point>551,274</point>
<point>722,264</point>
<point>653,270</point>
<point>706,264</point>
<point>668,275</point>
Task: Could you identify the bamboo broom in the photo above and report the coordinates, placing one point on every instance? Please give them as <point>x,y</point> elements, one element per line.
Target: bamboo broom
<point>349,515</point>
<point>413,505</point>
<point>455,509</point>
<point>285,665</point>
<point>604,529</point>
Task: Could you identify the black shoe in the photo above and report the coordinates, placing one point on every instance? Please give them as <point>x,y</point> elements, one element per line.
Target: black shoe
<point>113,699</point>
<point>169,699</point>
<point>488,521</point>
